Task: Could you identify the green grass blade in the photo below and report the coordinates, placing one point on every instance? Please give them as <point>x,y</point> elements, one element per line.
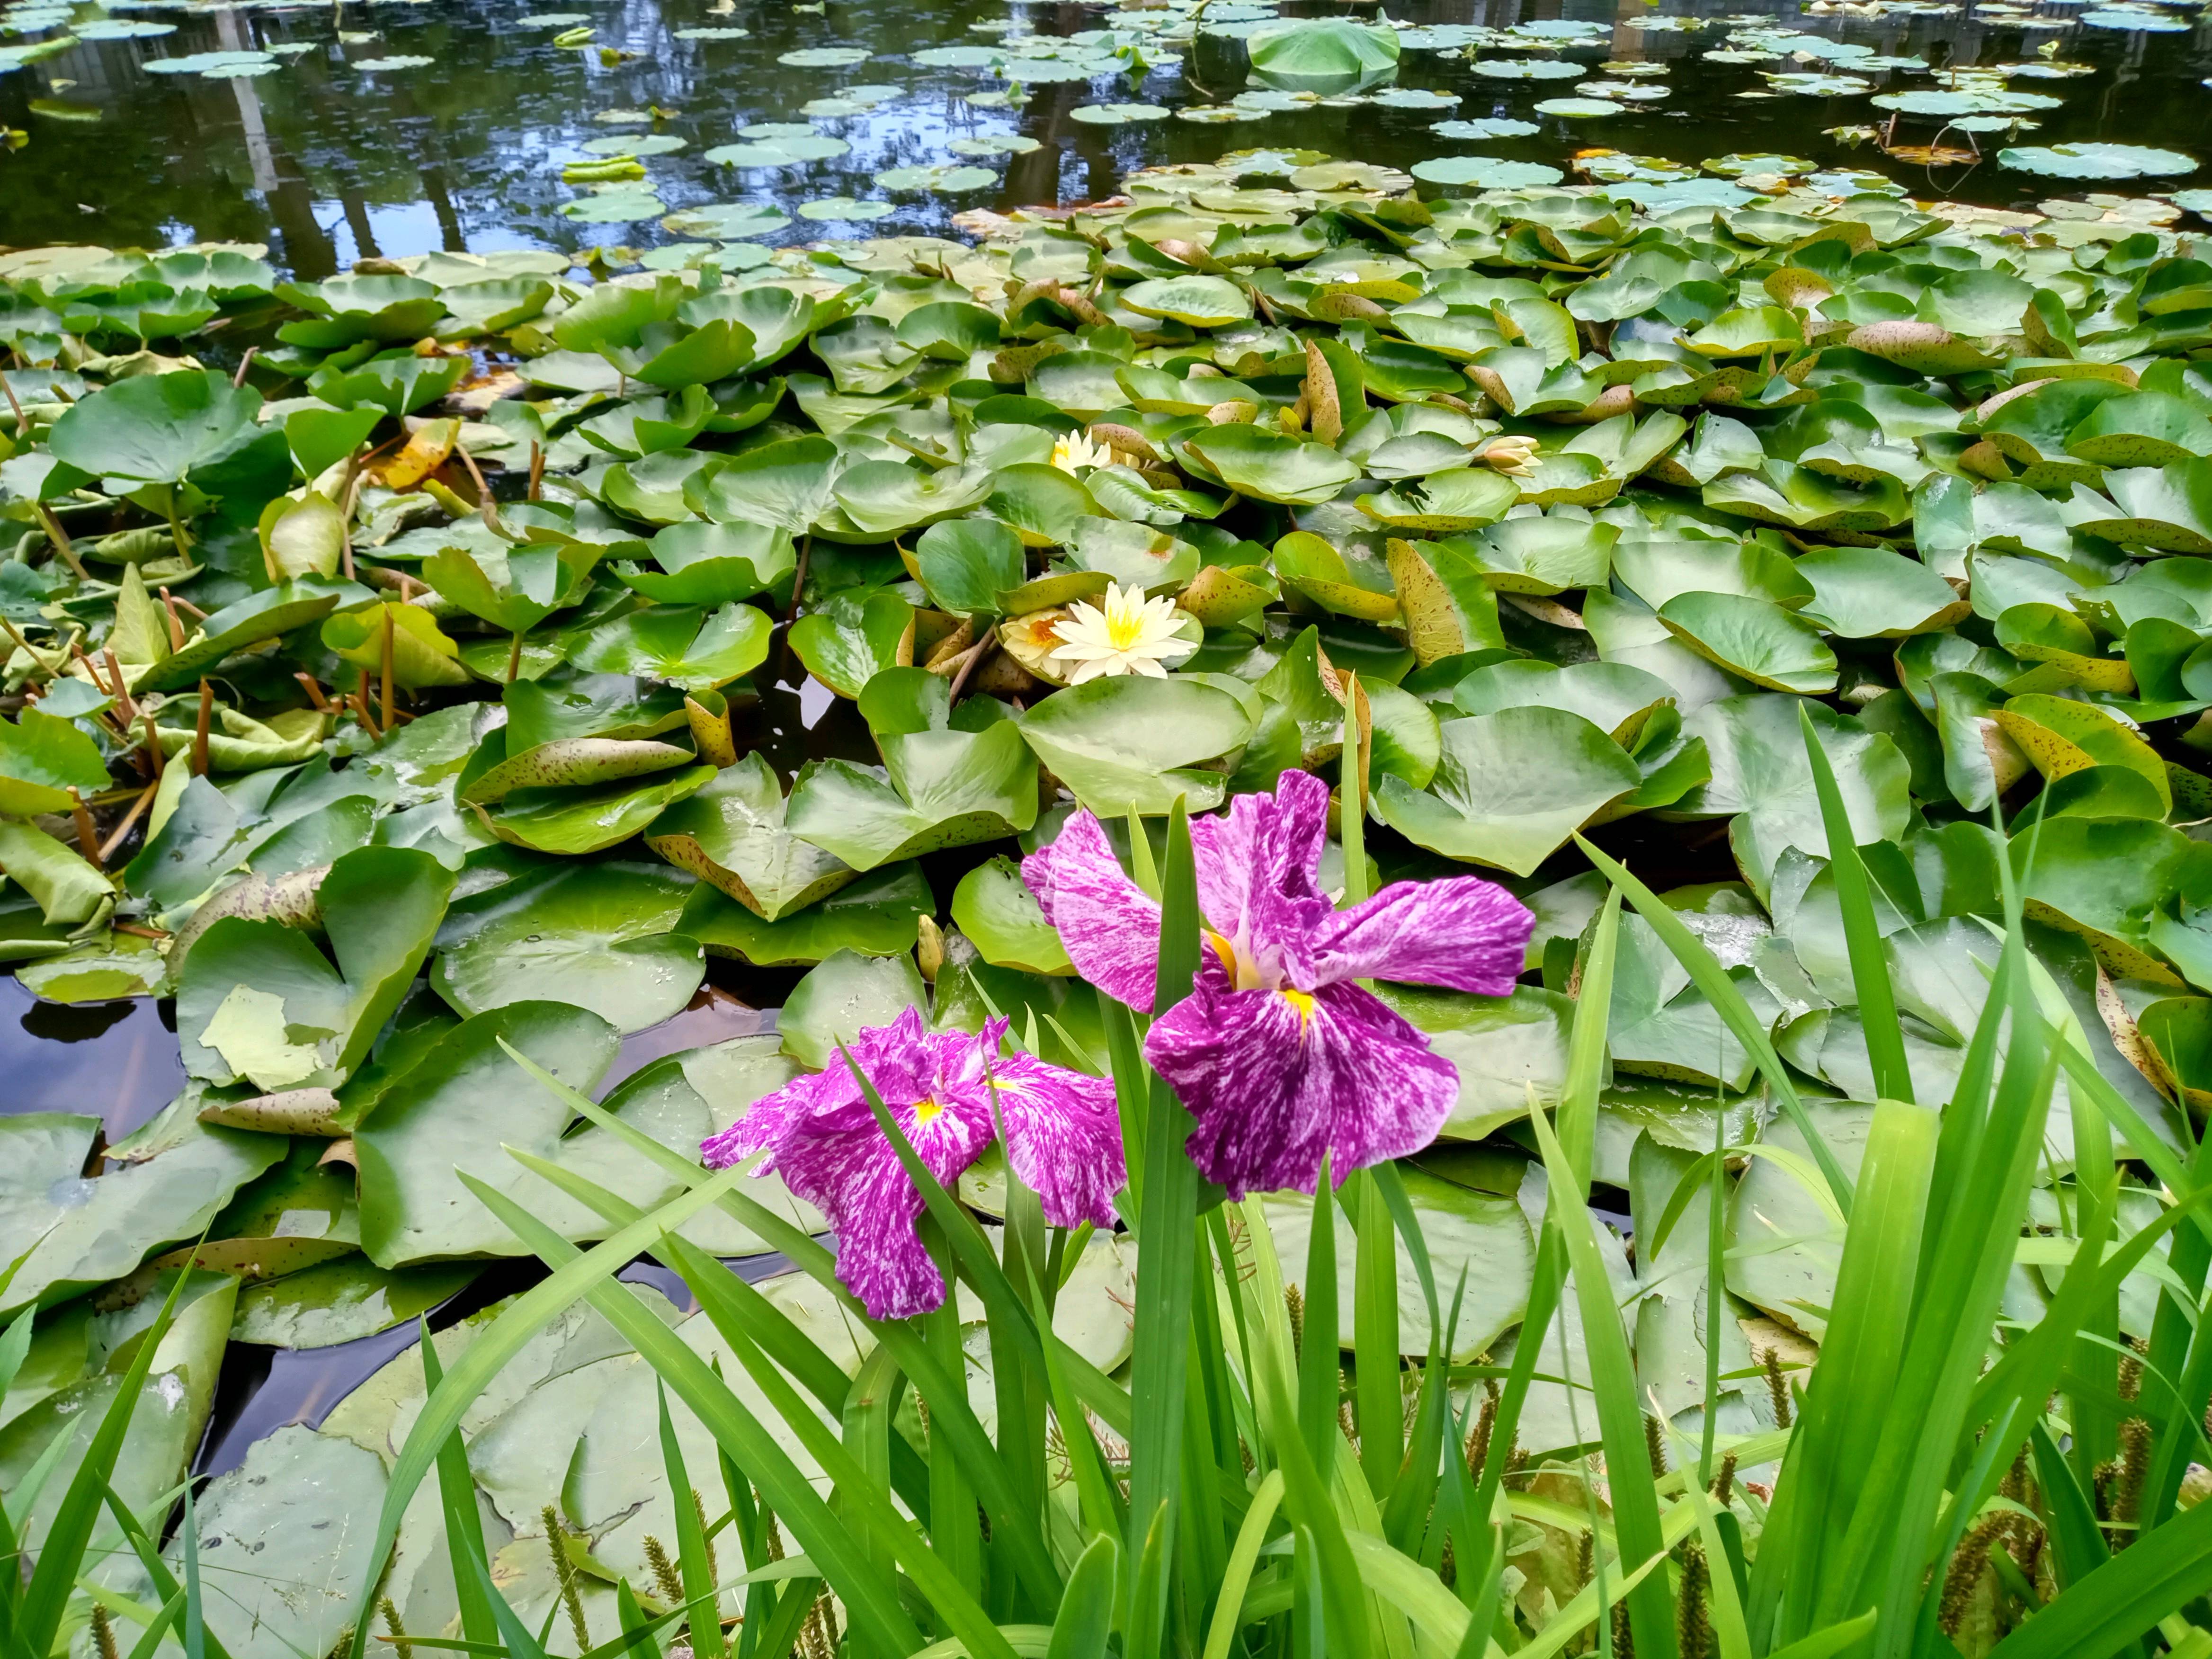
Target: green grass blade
<point>1352,796</point>
<point>1710,977</point>
<point>1586,1043</point>
<point>1086,1611</point>
<point>514,1634</point>
<point>1320,1373</point>
<point>691,1554</point>
<point>494,1346</point>
<point>1228,1606</point>
<point>1166,1237</point>
<point>1375,1336</point>
<point>195,1636</point>
<point>1620,1415</point>
<point>457,1494</point>
<point>1825,1643</point>
<point>1884,1038</point>
<point>61,1551</point>
<point>149,1640</point>
<point>826,1537</point>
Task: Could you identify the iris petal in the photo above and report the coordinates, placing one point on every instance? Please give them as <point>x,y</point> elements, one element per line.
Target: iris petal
<point>1110,925</point>
<point>1276,1078</point>
<point>1063,1137</point>
<point>1465,934</point>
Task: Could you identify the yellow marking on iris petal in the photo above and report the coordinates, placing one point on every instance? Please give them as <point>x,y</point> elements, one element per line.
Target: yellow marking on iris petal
<point>924,1110</point>
<point>1226,951</point>
<point>1301,1000</point>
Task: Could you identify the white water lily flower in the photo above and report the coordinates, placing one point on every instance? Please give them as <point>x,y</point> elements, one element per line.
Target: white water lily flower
<point>1515,457</point>
<point>1125,634</point>
<point>1075,450</point>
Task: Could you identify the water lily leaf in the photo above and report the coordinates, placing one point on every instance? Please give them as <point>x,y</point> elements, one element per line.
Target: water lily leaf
<point>42,758</point>
<point>340,1301</point>
<point>1760,773</point>
<point>2095,160</point>
<point>712,564</point>
<point>888,498</point>
<point>945,179</point>
<point>458,1109</point>
<point>731,835</point>
<point>2169,508</point>
<point>966,564</point>
<point>514,588</point>
<point>598,936</point>
<point>846,994</point>
<point>1753,639</point>
<point>847,207</point>
<point>2106,879</point>
<point>995,910</point>
<point>1202,301</point>
<point>1510,787</point>
<point>1462,498</point>
<point>2062,737</point>
<point>421,652</point>
<point>1135,743</point>
<point>852,637</point>
<point>787,485</point>
<point>935,789</point>
<point>1486,171</point>
<point>1866,593</point>
<point>1322,54</point>
<point>694,649</point>
<point>157,429</point>
<point>1042,504</point>
<point>825,58</point>
<point>1115,115</point>
<point>301,1019</point>
<point>1271,466</point>
<point>81,1231</point>
<point>877,914</point>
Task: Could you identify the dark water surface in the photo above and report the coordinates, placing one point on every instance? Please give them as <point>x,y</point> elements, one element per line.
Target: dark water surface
<point>328,162</point>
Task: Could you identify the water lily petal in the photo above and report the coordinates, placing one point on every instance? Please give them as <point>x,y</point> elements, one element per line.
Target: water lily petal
<point>1464,932</point>
<point>1063,1137</point>
<point>1111,928</point>
<point>1275,1078</point>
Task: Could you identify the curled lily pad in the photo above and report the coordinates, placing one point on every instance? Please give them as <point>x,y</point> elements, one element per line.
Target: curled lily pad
<point>390,65</point>
<point>726,34</point>
<point>876,915</point>
<point>731,835</point>
<point>994,143</point>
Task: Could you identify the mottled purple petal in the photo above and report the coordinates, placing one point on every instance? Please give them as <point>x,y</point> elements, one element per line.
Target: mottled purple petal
<point>1257,872</point>
<point>1275,1078</point>
<point>856,1181</point>
<point>1110,928</point>
<point>770,1122</point>
<point>1464,932</point>
<point>852,1174</point>
<point>1063,1137</point>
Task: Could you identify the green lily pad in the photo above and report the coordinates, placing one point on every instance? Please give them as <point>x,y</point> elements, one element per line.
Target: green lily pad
<point>996,910</point>
<point>1135,743</point>
<point>878,914</point>
<point>825,58</point>
<point>2096,160</point>
<point>731,835</point>
<point>939,787</point>
<point>598,936</point>
<point>678,646</point>
<point>1510,787</point>
<point>846,994</point>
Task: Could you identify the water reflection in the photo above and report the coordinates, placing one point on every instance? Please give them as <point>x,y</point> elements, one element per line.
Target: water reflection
<point>117,1060</point>
<point>329,162</point>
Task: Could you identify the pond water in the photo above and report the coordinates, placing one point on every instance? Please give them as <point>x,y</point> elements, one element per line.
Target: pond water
<point>393,127</point>
<point>378,130</point>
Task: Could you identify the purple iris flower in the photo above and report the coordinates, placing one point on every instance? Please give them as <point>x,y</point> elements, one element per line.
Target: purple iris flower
<point>1063,1137</point>
<point>1279,1054</point>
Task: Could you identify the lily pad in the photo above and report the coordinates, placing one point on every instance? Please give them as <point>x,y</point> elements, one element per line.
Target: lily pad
<point>598,936</point>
